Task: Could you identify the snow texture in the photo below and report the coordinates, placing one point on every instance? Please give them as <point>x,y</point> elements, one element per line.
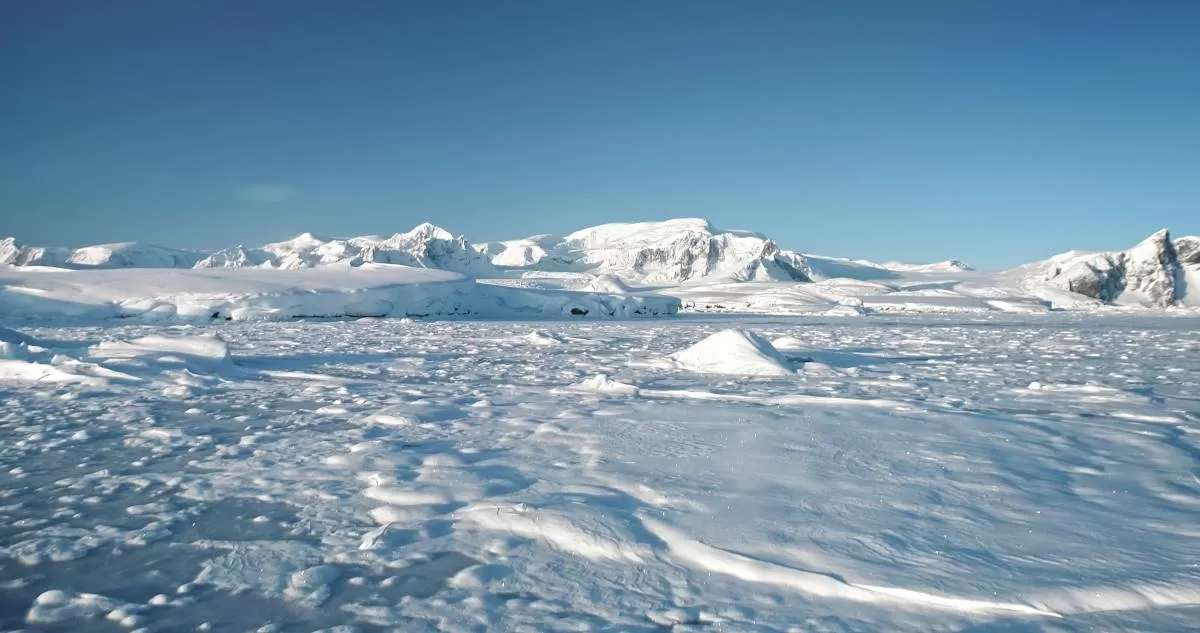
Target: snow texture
<point>971,473</point>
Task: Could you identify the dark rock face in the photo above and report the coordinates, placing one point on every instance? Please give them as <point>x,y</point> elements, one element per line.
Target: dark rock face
<point>1188,250</point>
<point>1104,283</point>
<point>1151,273</point>
<point>693,255</point>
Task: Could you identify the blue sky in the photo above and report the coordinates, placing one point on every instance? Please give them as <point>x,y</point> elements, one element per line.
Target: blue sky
<point>994,132</point>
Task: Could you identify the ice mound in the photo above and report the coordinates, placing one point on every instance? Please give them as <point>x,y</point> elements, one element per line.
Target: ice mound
<point>734,351</point>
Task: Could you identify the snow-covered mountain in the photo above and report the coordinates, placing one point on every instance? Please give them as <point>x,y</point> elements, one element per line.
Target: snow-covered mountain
<point>119,255</point>
<point>426,246</point>
<point>695,258</point>
<point>1158,272</point>
<point>673,251</point>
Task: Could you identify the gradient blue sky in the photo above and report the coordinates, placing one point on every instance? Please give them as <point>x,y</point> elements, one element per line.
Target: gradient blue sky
<point>995,132</point>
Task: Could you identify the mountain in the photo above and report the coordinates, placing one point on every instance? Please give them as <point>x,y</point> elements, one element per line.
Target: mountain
<point>672,251</point>
<point>426,246</point>
<point>119,255</point>
<point>1155,273</point>
<point>705,265</point>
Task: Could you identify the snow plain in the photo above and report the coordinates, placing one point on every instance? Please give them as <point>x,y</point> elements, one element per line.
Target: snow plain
<point>1003,473</point>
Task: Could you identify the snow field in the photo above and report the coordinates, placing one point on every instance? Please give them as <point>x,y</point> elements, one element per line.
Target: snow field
<point>1007,474</point>
<point>369,290</point>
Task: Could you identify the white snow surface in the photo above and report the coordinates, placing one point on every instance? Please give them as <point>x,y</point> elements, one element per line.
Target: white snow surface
<point>335,290</point>
<point>980,472</point>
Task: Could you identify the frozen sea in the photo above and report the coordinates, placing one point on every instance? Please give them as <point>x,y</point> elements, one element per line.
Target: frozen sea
<point>1008,474</point>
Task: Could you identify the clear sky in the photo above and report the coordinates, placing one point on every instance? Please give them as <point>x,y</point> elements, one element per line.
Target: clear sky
<point>991,131</point>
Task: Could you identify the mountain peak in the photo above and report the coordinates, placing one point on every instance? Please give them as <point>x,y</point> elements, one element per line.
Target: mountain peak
<point>428,230</point>
<point>1161,236</point>
<point>302,241</point>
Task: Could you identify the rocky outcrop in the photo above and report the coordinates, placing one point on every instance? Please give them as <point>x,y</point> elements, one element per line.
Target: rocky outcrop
<point>1188,250</point>
<point>1149,274</point>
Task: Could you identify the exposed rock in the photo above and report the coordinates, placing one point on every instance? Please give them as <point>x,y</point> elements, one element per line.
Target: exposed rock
<point>1188,250</point>
<point>1148,274</point>
<point>657,252</point>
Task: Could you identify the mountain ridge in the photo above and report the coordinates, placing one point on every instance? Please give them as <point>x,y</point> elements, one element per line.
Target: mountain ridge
<point>1157,272</point>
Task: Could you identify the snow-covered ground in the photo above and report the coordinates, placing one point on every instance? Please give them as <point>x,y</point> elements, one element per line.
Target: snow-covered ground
<point>995,473</point>
<point>39,294</point>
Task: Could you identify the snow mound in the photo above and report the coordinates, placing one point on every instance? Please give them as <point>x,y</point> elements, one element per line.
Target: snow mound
<point>57,606</point>
<point>207,349</point>
<point>734,351</point>
<point>601,383</point>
